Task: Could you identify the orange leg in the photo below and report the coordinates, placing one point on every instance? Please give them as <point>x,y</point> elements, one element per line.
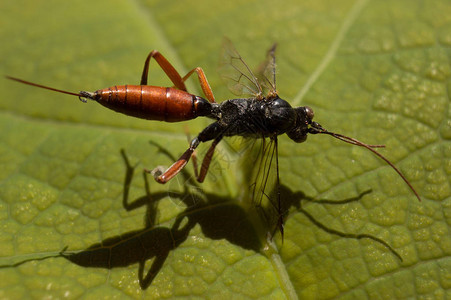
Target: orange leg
<point>203,83</point>
<point>207,160</point>
<point>183,160</point>
<point>175,77</point>
<point>178,165</point>
<point>167,68</point>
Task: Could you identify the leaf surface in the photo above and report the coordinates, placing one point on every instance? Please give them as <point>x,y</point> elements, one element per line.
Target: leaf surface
<point>374,70</point>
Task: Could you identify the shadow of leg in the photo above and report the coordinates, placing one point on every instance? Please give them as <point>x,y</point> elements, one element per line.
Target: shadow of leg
<point>145,282</point>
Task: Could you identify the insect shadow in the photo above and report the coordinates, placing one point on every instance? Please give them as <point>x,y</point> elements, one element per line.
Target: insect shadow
<point>219,218</point>
<point>297,198</point>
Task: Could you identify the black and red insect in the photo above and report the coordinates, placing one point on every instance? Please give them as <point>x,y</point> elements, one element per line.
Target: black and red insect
<point>261,116</point>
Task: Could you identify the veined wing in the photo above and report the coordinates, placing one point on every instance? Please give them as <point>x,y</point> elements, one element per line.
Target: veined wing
<point>266,73</point>
<point>266,187</point>
<point>234,70</point>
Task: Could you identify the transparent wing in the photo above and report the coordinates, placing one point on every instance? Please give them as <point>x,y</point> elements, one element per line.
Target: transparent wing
<point>236,73</point>
<point>266,72</point>
<point>266,187</point>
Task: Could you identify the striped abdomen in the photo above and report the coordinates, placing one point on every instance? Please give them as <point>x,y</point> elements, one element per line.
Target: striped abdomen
<point>153,102</point>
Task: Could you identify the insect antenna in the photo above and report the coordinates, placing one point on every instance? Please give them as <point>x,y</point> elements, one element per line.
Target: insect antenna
<point>82,95</point>
<point>316,128</point>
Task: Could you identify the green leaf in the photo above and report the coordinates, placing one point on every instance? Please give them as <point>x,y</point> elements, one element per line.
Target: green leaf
<point>374,70</point>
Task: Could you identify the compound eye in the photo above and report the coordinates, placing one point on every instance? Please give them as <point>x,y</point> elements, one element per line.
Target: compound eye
<point>309,112</point>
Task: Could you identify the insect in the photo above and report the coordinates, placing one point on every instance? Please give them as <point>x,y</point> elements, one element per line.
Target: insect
<point>260,116</point>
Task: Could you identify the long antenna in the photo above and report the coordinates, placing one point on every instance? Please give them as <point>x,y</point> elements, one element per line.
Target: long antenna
<point>82,95</point>
<point>316,128</point>
<point>44,87</point>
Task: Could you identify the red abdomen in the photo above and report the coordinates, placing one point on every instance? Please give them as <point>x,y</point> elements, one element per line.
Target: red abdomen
<point>152,102</point>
